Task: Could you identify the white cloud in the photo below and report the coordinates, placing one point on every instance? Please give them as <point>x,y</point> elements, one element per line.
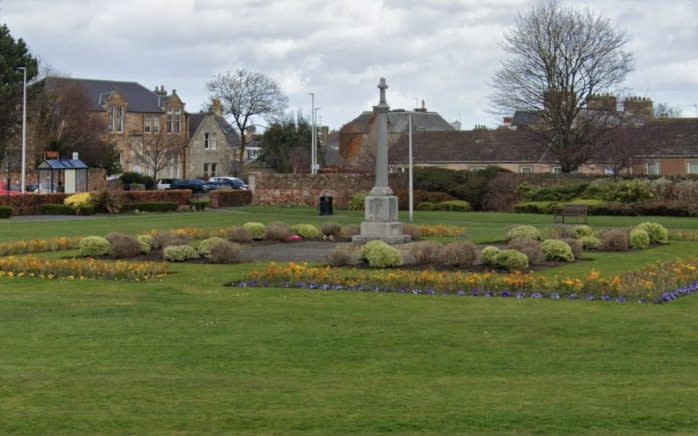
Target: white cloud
<point>442,51</point>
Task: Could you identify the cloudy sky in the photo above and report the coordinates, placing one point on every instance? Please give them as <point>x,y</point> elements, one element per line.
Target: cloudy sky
<point>442,51</point>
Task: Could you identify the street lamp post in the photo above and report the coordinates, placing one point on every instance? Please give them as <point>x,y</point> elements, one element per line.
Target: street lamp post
<point>24,130</point>
<point>316,166</point>
<point>410,170</point>
<point>312,137</point>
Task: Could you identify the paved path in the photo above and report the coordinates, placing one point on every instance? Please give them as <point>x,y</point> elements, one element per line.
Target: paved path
<point>304,251</point>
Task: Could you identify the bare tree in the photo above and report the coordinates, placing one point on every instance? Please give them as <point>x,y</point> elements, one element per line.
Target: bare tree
<point>60,120</point>
<point>158,151</point>
<point>664,110</point>
<point>619,147</point>
<point>561,58</point>
<point>245,96</point>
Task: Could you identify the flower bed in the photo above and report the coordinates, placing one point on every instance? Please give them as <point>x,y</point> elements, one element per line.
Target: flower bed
<point>38,246</point>
<point>31,266</point>
<point>652,283</point>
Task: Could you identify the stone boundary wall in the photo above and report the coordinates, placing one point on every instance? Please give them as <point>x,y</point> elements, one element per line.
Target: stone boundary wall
<point>306,189</point>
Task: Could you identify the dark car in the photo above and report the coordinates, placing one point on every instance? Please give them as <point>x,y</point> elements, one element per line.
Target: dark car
<point>195,185</point>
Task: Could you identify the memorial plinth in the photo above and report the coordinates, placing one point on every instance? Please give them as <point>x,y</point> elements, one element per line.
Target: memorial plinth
<point>381,206</point>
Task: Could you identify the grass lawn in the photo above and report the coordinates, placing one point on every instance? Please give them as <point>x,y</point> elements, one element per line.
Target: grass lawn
<point>185,354</point>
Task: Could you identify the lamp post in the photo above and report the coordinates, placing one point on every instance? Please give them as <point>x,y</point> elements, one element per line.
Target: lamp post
<point>410,169</point>
<point>316,166</point>
<point>24,130</point>
<point>312,137</point>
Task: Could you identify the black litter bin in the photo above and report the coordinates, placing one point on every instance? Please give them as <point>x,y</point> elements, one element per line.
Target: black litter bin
<point>325,205</point>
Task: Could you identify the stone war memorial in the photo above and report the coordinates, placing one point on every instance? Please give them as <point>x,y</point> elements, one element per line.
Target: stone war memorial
<point>381,207</point>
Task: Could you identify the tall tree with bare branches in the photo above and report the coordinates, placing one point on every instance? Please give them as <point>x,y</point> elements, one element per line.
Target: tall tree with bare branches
<point>559,59</point>
<point>158,151</point>
<point>246,96</point>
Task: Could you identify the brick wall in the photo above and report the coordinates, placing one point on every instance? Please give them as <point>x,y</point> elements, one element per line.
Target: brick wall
<point>306,189</point>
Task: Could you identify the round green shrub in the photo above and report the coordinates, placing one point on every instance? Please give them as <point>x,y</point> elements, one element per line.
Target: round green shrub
<point>307,231</point>
<point>639,239</point>
<point>179,253</point>
<point>94,246</point>
<point>590,242</point>
<point>513,260</point>
<point>383,256</point>
<point>207,244</point>
<point>523,232</point>
<point>488,255</point>
<point>145,239</point>
<point>367,247</point>
<point>583,230</point>
<point>657,232</point>
<point>555,249</point>
<point>146,242</point>
<point>257,231</point>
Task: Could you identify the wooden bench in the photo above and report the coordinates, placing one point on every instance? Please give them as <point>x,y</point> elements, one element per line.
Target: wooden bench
<point>577,211</point>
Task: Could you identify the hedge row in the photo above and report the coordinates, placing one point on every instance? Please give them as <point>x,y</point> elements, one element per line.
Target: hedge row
<point>30,204</point>
<point>180,196</point>
<point>600,207</point>
<point>229,198</point>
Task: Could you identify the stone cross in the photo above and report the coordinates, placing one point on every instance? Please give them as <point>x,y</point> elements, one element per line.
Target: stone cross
<point>382,86</point>
<point>381,206</point>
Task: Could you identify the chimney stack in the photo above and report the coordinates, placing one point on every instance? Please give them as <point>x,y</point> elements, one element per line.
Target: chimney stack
<point>602,102</point>
<point>421,109</point>
<point>217,107</point>
<point>641,107</point>
<point>161,91</point>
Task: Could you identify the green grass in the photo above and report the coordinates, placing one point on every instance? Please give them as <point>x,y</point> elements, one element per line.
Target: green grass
<point>482,227</point>
<point>187,355</point>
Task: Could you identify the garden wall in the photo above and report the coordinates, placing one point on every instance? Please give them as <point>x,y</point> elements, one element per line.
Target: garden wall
<point>306,189</point>
<point>180,196</point>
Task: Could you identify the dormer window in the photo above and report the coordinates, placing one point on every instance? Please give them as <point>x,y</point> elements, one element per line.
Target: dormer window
<point>209,141</point>
<point>116,118</point>
<point>174,121</point>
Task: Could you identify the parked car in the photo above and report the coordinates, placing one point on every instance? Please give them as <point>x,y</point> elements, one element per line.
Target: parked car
<point>231,182</point>
<point>195,185</point>
<point>164,183</point>
<point>4,191</point>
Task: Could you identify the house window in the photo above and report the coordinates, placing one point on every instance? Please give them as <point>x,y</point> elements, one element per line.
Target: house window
<point>478,168</point>
<point>209,170</point>
<point>209,141</point>
<point>116,118</point>
<point>557,169</point>
<point>653,168</point>
<point>174,121</point>
<point>151,124</point>
<point>525,170</point>
<point>692,167</point>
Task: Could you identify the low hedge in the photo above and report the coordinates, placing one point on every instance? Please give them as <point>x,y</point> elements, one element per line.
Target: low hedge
<point>30,204</point>
<point>181,197</point>
<point>199,205</point>
<point>57,209</point>
<point>449,206</point>
<point>160,206</point>
<point>5,211</point>
<point>229,198</point>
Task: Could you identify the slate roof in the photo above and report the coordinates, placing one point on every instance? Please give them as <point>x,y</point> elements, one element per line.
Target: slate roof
<point>471,146</point>
<point>139,98</point>
<point>398,121</point>
<point>669,137</point>
<point>231,135</point>
<point>672,137</point>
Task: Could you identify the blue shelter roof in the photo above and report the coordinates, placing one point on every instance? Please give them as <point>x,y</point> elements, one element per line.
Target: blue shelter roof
<point>62,164</point>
